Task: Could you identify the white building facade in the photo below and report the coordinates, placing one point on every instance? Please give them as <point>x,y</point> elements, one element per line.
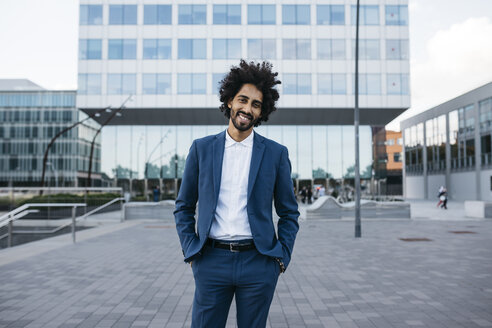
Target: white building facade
<point>171,55</point>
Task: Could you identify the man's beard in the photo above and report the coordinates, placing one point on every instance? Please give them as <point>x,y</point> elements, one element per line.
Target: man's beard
<point>239,126</point>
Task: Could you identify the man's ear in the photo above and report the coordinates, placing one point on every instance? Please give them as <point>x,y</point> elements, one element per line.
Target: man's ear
<point>229,103</point>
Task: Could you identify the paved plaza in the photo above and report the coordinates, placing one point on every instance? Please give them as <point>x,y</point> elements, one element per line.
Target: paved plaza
<point>132,274</point>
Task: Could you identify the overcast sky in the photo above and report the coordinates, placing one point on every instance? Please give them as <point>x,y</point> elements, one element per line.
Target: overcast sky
<point>450,46</point>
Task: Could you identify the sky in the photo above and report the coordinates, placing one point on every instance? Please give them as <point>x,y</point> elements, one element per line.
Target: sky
<point>450,47</point>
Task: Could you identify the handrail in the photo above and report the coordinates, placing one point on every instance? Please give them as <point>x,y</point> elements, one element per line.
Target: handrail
<point>19,209</point>
<point>10,217</point>
<point>22,211</point>
<point>85,215</point>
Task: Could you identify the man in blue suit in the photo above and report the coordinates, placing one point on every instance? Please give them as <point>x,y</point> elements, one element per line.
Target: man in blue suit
<point>235,176</point>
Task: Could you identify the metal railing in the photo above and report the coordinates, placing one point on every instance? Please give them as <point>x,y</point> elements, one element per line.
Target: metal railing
<point>9,218</point>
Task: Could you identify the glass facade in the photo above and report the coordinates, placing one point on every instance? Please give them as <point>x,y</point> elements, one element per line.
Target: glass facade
<point>318,152</point>
<point>397,84</point>
<point>28,122</point>
<point>122,48</point>
<point>369,84</point>
<point>261,15</point>
<point>90,15</point>
<point>192,14</point>
<point>396,15</point>
<point>157,14</point>
<point>332,84</point>
<point>331,49</point>
<point>435,131</point>
<point>296,48</point>
<point>156,84</point>
<point>368,49</point>
<point>227,14</point>
<point>368,14</point>
<point>226,48</point>
<point>121,84</point>
<point>330,14</point>
<point>262,49</point>
<point>397,49</point>
<point>192,83</point>
<point>192,48</point>
<point>89,84</point>
<point>122,14</point>
<point>296,84</point>
<point>90,48</point>
<point>296,15</point>
<point>157,49</point>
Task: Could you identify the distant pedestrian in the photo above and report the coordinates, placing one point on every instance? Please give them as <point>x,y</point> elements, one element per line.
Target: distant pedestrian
<point>157,194</point>
<point>443,197</point>
<point>303,194</point>
<point>310,195</point>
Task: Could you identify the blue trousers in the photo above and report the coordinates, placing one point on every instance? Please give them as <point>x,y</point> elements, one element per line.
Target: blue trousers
<point>221,274</point>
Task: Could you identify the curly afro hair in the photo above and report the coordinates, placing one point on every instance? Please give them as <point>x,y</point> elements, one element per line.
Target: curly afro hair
<point>261,76</point>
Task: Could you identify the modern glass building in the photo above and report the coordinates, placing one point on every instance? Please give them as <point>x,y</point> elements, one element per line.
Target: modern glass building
<point>171,55</point>
<point>450,145</point>
<point>30,117</point>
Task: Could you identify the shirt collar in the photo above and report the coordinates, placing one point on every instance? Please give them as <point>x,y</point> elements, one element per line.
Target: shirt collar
<point>248,142</point>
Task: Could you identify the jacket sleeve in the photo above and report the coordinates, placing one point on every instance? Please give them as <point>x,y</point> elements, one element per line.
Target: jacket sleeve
<point>286,207</point>
<point>184,213</point>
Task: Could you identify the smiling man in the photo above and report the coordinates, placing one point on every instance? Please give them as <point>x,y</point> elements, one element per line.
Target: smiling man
<point>235,176</point>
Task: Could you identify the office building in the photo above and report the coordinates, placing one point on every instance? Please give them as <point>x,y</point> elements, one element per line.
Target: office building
<point>30,116</point>
<point>450,145</point>
<point>171,55</point>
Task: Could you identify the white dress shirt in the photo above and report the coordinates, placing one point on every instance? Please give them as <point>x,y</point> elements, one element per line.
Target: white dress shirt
<point>231,217</point>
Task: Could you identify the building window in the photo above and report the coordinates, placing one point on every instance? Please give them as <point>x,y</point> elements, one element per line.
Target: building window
<point>297,84</point>
<point>399,141</point>
<point>89,84</point>
<point>296,15</point>
<point>192,14</point>
<point>192,48</point>
<point>330,14</point>
<point>195,83</point>
<point>157,49</point>
<point>396,15</point>
<point>397,157</point>
<point>90,14</point>
<point>331,49</point>
<point>122,49</point>
<point>216,78</point>
<point>90,48</point>
<point>369,84</point>
<point>485,108</point>
<point>157,14</point>
<point>226,48</point>
<point>227,14</point>
<point>262,49</point>
<point>296,48</point>
<point>261,15</point>
<point>122,14</point>
<point>332,84</point>
<point>390,142</point>
<point>368,15</point>
<point>397,84</point>
<point>156,84</point>
<point>121,84</point>
<point>397,49</point>
<point>368,49</point>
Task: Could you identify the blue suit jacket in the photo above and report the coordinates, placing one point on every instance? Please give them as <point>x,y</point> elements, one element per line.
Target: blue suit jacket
<point>269,181</point>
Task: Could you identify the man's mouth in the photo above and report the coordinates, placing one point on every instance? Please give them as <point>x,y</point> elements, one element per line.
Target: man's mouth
<point>243,118</point>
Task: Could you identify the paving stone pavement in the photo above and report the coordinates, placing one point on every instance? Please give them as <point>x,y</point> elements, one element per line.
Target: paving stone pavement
<point>135,277</point>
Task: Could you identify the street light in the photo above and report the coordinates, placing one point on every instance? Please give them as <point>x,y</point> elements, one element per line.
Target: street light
<point>45,158</point>
<point>356,128</point>
<point>114,113</point>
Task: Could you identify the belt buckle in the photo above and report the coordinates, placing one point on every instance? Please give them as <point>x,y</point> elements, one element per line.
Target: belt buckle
<point>232,245</point>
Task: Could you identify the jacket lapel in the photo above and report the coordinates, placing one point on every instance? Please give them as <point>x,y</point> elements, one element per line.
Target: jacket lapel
<point>256,157</point>
<point>218,151</point>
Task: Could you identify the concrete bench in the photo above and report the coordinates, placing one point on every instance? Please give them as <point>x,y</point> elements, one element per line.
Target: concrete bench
<point>327,207</point>
<point>145,210</point>
<point>478,209</point>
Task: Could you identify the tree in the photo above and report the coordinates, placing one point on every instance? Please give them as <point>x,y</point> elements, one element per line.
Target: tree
<point>122,172</point>
<point>319,173</point>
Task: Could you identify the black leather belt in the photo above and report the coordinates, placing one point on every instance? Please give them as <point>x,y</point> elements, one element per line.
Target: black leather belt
<point>233,246</point>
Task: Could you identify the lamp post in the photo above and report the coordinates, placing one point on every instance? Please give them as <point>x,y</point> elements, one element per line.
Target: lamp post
<point>113,114</point>
<point>175,176</point>
<point>356,128</point>
<point>45,158</point>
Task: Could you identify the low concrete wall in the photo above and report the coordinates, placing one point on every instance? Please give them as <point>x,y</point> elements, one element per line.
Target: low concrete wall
<point>414,187</point>
<point>145,210</point>
<point>327,207</point>
<point>478,209</point>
